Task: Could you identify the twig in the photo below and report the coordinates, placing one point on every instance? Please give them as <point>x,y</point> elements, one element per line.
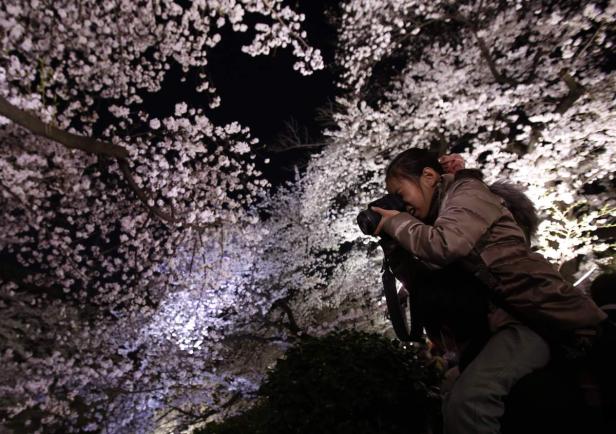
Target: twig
<point>590,41</point>
<point>192,258</point>
<point>141,194</point>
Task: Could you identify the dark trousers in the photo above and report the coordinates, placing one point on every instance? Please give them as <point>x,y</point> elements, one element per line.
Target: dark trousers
<point>475,403</point>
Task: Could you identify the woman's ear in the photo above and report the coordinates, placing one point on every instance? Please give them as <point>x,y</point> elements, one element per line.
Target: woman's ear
<point>430,176</point>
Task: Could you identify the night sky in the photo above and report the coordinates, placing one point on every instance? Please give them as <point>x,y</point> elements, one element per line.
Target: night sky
<point>265,93</point>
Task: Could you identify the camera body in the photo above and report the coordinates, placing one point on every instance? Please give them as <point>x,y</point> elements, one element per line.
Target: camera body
<point>368,220</point>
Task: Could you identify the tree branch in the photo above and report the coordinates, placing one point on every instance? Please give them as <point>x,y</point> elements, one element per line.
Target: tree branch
<point>485,52</point>
<point>576,90</point>
<point>300,146</point>
<point>293,327</point>
<point>500,78</point>
<point>87,144</point>
<point>93,146</point>
<point>143,196</point>
<point>72,141</point>
<point>583,48</point>
<point>253,337</point>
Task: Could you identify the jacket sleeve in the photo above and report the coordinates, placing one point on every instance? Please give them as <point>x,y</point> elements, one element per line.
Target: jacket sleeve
<point>467,212</point>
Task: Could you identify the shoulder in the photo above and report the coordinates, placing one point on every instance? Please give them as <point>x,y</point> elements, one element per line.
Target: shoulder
<point>473,176</point>
<point>472,193</point>
<point>467,181</point>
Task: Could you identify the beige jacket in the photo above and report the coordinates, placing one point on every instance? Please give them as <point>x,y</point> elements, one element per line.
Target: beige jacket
<point>473,225</point>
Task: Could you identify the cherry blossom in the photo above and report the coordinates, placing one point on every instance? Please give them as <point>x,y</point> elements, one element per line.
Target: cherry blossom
<point>153,275</point>
<point>123,231</point>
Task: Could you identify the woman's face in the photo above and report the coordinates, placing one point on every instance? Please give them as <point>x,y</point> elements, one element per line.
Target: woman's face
<point>417,195</point>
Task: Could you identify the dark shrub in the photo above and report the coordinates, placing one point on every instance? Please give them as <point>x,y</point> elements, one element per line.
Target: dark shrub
<point>346,382</point>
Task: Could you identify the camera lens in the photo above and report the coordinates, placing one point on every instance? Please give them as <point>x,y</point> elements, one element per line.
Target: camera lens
<point>368,221</point>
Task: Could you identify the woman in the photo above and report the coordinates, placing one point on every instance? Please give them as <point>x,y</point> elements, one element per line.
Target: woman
<point>458,219</point>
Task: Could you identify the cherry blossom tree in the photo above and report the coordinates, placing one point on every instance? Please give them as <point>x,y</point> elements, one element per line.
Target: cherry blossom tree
<point>124,243</point>
<point>523,90</point>
<point>149,277</point>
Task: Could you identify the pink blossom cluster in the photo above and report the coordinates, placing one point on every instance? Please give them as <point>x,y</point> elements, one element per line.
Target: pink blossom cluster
<point>129,248</point>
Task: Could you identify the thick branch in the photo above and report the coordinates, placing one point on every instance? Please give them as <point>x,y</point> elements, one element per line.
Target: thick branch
<point>88,144</point>
<point>72,141</point>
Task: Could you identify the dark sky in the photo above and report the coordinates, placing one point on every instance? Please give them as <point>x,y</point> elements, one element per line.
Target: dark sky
<point>265,93</point>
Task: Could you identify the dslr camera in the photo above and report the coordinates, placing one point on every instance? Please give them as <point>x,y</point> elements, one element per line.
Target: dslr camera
<point>368,220</point>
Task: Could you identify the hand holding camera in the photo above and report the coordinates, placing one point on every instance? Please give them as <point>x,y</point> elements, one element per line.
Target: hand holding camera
<point>385,214</point>
<point>371,221</point>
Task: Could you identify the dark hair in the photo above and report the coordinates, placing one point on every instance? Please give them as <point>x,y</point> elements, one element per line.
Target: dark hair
<point>410,164</point>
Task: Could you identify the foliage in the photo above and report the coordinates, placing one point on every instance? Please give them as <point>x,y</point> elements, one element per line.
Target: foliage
<point>344,382</point>
<point>522,88</point>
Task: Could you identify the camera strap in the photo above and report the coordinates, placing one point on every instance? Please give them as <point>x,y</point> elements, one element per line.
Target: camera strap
<point>397,315</point>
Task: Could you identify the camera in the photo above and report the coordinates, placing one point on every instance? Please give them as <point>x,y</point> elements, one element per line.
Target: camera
<point>368,220</point>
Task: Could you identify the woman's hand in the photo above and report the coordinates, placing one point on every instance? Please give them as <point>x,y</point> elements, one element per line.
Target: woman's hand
<point>451,163</point>
<point>385,214</point>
